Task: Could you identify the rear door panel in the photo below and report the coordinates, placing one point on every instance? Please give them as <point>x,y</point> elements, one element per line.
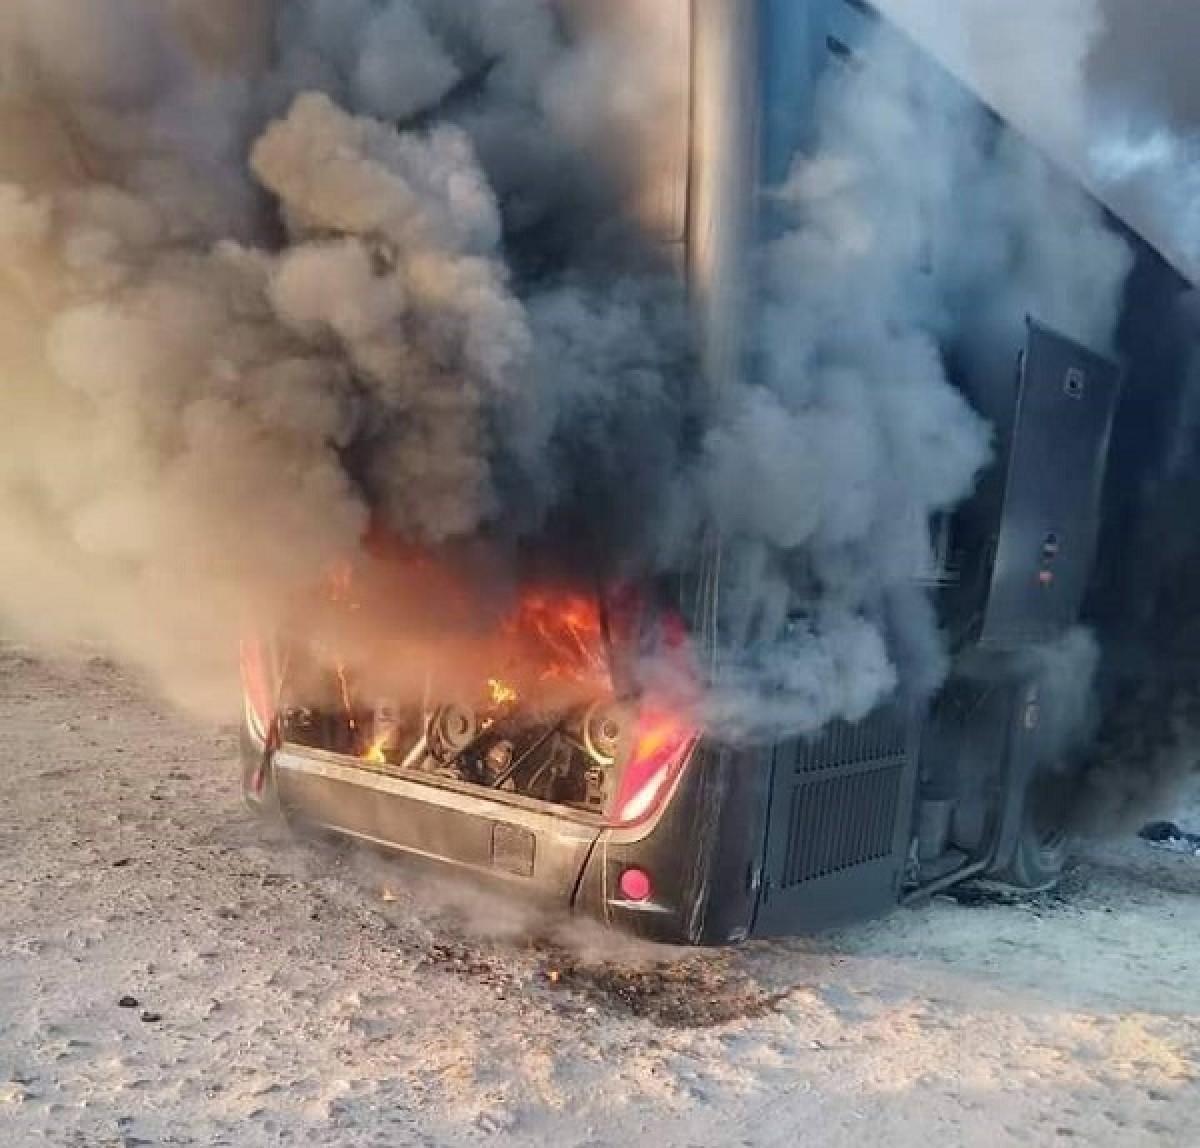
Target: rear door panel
<point>1056,465</point>
<point>839,825</point>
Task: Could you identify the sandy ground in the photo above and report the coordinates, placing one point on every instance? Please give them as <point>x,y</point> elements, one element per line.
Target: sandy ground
<point>284,998</point>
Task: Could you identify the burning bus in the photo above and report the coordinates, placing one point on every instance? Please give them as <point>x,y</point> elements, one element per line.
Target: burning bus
<point>559,741</point>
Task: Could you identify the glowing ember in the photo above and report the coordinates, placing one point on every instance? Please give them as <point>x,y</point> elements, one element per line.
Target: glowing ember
<point>658,736</point>
<point>502,694</point>
<point>376,754</point>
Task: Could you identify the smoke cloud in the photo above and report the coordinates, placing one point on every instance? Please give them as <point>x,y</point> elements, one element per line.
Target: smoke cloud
<point>1156,173</point>
<point>913,226</point>
<point>241,311</point>
<point>273,274</point>
<point>1146,747</point>
<point>1027,59</point>
<point>1107,87</point>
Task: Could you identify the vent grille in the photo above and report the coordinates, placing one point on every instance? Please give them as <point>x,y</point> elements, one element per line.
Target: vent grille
<point>839,822</point>
<point>881,738</point>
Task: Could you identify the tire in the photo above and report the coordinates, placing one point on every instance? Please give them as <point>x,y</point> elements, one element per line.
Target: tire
<point>1043,848</point>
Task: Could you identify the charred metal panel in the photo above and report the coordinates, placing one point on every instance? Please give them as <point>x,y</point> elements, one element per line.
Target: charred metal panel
<point>840,823</point>
<point>1055,472</point>
<point>536,848</point>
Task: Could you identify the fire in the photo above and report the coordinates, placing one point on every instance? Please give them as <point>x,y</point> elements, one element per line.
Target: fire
<point>562,634</point>
<point>339,589</point>
<point>375,751</point>
<point>547,648</point>
<point>502,694</point>
<point>417,634</point>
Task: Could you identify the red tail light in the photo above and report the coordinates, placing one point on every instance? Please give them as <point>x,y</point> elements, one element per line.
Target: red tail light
<point>661,741</point>
<point>256,687</point>
<point>663,736</point>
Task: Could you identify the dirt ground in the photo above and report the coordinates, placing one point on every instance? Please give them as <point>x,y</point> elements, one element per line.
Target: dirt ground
<point>300,993</point>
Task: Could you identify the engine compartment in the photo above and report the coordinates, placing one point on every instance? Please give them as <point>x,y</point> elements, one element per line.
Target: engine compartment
<point>563,756</point>
<point>549,692</point>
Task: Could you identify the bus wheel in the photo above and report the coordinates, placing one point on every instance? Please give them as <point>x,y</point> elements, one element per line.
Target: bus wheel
<point>1043,847</point>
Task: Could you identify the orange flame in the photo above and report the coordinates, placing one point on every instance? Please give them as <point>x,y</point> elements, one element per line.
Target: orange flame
<point>562,635</point>
<point>375,751</point>
<point>550,636</point>
<point>502,694</point>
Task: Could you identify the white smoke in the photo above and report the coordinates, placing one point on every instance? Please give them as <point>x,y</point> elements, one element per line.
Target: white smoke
<point>1098,84</point>
<point>1064,672</point>
<point>1026,58</point>
<point>1155,172</point>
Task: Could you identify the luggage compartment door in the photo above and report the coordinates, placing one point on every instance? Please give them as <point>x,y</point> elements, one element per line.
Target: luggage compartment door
<point>1057,456</point>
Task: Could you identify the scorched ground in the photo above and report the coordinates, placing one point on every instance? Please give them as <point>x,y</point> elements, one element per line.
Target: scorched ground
<point>311,995</point>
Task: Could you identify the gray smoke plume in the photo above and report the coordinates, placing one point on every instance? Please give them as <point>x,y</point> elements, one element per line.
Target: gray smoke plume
<point>1146,747</point>
<point>240,310</point>
<point>268,277</point>
<point>1064,673</point>
<point>1145,135</point>
<point>1147,53</point>
<point>1156,173</point>
<point>914,225</point>
<point>1110,88</point>
<point>1147,733</point>
<point>1027,58</point>
<point>1107,87</point>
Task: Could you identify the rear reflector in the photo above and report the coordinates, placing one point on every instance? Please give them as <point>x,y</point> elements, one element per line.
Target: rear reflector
<point>635,885</point>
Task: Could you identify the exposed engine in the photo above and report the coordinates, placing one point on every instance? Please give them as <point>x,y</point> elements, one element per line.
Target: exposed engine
<point>529,696</point>
<point>566,758</point>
